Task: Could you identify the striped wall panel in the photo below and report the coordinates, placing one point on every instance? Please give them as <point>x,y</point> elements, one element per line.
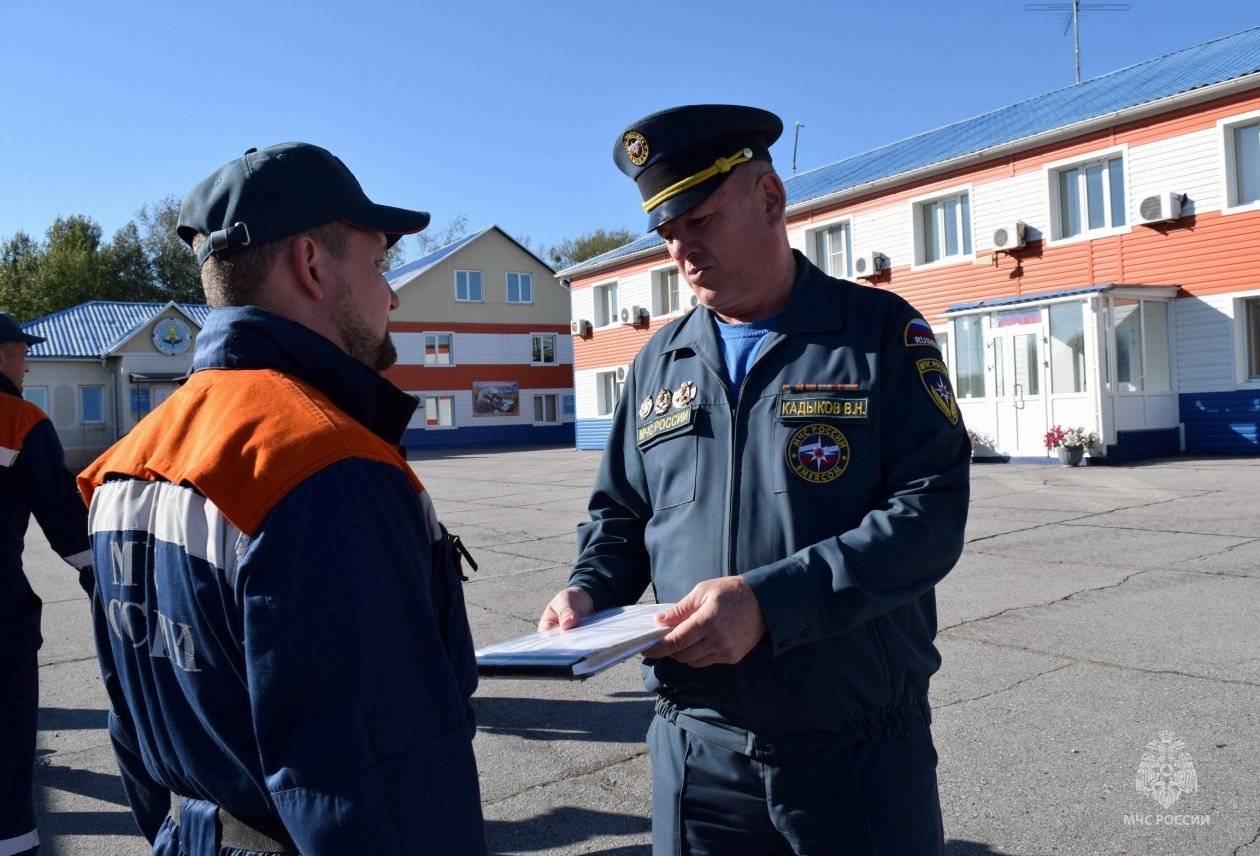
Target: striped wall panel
<point>593,433</point>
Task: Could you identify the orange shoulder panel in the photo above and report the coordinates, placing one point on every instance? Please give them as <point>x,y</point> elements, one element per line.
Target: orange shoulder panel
<point>243,439</point>
<point>17,417</point>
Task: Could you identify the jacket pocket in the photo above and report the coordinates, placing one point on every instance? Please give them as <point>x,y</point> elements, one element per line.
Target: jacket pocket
<point>671,466</point>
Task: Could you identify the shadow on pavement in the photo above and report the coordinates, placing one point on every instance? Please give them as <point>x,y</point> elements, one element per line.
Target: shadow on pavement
<point>84,783</point>
<point>551,719</point>
<point>71,718</point>
<point>563,827</point>
<point>959,847</point>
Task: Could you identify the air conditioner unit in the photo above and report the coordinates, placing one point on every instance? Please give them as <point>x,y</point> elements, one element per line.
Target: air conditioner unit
<point>869,264</point>
<point>632,315</point>
<point>1161,207</point>
<point>621,372</point>
<point>1009,236</point>
<point>580,327</point>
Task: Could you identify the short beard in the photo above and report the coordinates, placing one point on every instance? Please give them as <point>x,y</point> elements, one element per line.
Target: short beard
<point>357,340</point>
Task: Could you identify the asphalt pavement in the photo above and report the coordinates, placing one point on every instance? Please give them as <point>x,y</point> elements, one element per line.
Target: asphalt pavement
<point>1102,621</point>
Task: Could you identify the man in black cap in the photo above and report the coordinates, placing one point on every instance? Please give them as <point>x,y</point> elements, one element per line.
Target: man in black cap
<point>33,480</point>
<point>788,466</point>
<point>280,626</point>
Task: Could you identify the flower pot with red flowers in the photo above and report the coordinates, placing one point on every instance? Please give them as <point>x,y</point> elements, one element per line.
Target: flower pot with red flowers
<point>1071,443</point>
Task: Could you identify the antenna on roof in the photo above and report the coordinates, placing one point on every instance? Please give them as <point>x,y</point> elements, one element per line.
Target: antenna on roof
<point>1073,19</point>
<point>795,144</point>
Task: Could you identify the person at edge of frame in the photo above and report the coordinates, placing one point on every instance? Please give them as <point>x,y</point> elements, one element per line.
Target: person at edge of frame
<point>280,626</point>
<point>787,465</point>
<point>33,480</point>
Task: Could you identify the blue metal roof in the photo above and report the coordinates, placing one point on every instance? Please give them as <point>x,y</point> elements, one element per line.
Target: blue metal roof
<point>92,329</point>
<point>1217,61</point>
<point>411,270</point>
<point>1028,298</point>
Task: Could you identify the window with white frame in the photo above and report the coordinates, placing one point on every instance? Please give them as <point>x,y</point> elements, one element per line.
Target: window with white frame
<point>542,348</point>
<point>439,349</point>
<point>665,292</point>
<point>545,410</point>
<point>607,391</point>
<point>833,250</point>
<point>91,405</point>
<point>1088,196</point>
<point>1067,347</point>
<point>468,286</point>
<point>37,395</point>
<point>1242,162</point>
<point>605,304</point>
<point>439,411</point>
<point>943,228</point>
<point>1140,329</point>
<point>969,356</point>
<point>1251,318</point>
<point>520,288</point>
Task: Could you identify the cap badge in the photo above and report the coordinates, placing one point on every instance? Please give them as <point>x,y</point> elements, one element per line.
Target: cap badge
<point>645,409</point>
<point>636,147</point>
<point>663,399</point>
<point>685,394</point>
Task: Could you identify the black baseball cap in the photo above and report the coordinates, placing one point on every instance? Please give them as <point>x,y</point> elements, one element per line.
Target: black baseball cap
<point>11,331</point>
<point>281,190</point>
<point>679,156</point>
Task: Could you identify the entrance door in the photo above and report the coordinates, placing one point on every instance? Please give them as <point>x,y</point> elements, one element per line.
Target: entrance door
<point>1015,343</point>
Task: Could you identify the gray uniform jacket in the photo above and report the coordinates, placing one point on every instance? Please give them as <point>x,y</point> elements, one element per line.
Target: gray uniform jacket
<point>835,481</point>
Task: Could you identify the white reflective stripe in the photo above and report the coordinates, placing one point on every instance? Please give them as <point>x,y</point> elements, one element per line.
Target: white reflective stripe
<point>9,846</point>
<point>79,560</point>
<point>7,457</point>
<point>170,513</point>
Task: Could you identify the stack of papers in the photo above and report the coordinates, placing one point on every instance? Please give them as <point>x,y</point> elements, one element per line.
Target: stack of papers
<point>600,640</point>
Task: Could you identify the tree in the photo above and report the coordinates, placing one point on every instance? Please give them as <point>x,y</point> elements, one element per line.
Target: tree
<point>20,257</point>
<point>431,239</point>
<point>128,273</point>
<point>177,276</point>
<point>571,251</point>
<point>71,269</point>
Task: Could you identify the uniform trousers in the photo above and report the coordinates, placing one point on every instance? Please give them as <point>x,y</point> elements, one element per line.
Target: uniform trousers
<point>19,711</point>
<point>878,797</point>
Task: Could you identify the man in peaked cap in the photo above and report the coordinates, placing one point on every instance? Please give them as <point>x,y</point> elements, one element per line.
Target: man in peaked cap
<point>279,620</point>
<point>787,466</point>
<point>33,480</point>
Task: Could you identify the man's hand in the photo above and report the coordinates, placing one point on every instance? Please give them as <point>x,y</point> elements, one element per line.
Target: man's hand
<point>719,621</point>
<point>565,610</point>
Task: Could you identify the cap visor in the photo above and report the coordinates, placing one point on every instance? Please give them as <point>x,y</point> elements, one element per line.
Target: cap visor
<point>33,340</point>
<point>679,205</point>
<point>390,220</point>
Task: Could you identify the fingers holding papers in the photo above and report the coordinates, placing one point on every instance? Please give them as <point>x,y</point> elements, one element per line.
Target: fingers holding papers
<point>566,609</point>
<point>719,621</point>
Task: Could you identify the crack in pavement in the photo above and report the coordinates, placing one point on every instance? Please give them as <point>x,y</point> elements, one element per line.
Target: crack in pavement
<point>1068,596</point>
<point>1003,689</point>
<point>1240,847</point>
<point>577,773</point>
<point>1084,516</point>
<point>1226,550</point>
<point>1105,663</point>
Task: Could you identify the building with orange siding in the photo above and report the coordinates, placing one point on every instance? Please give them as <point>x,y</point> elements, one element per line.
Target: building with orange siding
<point>482,331</point>
<point>1087,257</point>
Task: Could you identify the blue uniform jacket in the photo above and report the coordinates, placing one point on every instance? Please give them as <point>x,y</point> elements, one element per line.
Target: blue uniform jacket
<point>274,634</point>
<point>835,480</point>
<point>33,480</point>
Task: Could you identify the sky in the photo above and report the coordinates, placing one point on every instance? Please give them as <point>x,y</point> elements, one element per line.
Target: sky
<point>506,112</point>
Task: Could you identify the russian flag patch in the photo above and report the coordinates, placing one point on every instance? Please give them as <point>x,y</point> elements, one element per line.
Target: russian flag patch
<point>919,334</point>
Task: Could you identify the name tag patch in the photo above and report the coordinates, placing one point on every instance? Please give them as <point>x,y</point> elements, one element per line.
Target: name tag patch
<point>678,422</point>
<point>818,453</point>
<point>792,407</point>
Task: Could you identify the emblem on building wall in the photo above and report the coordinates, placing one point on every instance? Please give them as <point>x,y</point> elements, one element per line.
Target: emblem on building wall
<point>171,336</point>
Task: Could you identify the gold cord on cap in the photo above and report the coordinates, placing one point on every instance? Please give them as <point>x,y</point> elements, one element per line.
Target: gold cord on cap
<point>720,166</point>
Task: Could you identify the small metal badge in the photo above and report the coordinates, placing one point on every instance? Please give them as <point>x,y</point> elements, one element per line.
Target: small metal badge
<point>663,400</point>
<point>636,147</point>
<point>685,394</point>
<point>645,408</point>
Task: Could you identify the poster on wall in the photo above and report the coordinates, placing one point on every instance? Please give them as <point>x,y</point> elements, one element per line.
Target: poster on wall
<point>496,398</point>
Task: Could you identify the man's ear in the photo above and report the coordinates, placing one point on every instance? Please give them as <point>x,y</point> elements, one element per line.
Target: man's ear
<point>772,195</point>
<point>311,267</point>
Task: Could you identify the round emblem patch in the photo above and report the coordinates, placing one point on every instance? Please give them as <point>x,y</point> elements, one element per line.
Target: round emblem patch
<point>636,147</point>
<point>171,336</point>
<point>645,408</point>
<point>663,399</point>
<point>818,453</point>
<point>685,394</point>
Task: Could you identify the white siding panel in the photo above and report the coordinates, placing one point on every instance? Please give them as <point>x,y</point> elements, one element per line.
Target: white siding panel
<point>481,348</point>
<point>463,412</point>
<point>583,303</point>
<point>1187,163</point>
<point>585,403</point>
<point>1022,197</point>
<point>1204,341</point>
<point>885,230</point>
<point>635,290</point>
<point>410,348</point>
<point>564,348</point>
